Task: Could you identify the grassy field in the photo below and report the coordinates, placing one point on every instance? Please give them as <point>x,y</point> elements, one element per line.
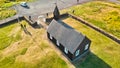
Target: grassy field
<point>105,52</point>
<point>9,35</point>
<point>5,12</point>
<point>27,50</point>
<point>102,14</point>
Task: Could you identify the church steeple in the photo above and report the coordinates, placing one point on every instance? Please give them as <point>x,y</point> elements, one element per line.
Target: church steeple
<point>56,13</point>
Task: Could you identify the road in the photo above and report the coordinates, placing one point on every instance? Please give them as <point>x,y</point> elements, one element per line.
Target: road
<point>45,6</point>
<point>40,7</point>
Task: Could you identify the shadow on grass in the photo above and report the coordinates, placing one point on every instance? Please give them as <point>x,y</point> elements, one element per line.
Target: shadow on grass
<point>25,29</point>
<point>92,61</point>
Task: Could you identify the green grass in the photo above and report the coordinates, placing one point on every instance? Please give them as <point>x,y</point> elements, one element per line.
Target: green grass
<point>58,63</point>
<point>5,12</point>
<point>92,61</point>
<point>6,5</point>
<point>53,62</point>
<point>7,35</point>
<point>23,51</point>
<point>7,61</point>
<point>29,51</point>
<point>105,52</point>
<point>102,14</point>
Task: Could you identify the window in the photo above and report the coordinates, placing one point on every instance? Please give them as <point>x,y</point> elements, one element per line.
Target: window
<point>86,47</point>
<point>66,50</point>
<point>58,43</point>
<point>51,37</point>
<point>77,52</point>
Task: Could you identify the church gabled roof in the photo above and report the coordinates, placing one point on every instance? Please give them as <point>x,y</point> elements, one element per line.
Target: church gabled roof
<point>66,35</point>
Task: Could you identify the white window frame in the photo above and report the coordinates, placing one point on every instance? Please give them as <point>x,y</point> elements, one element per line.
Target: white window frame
<point>86,46</point>
<point>66,50</point>
<point>77,52</point>
<point>58,44</point>
<point>51,37</point>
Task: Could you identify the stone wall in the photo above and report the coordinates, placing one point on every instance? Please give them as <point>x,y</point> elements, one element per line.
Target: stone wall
<point>96,28</point>
<point>10,21</point>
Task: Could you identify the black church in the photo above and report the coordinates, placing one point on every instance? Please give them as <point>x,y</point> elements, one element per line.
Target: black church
<point>72,43</point>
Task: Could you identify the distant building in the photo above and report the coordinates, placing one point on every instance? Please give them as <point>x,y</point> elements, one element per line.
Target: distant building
<point>72,43</point>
